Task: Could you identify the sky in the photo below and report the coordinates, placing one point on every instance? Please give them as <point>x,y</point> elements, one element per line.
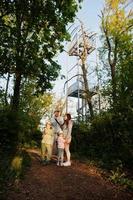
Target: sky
<point>88,14</point>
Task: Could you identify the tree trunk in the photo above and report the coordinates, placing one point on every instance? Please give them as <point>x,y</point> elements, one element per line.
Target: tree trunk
<point>113,82</point>
<point>7,84</point>
<point>19,48</point>
<point>112,61</point>
<point>88,95</point>
<point>16,95</point>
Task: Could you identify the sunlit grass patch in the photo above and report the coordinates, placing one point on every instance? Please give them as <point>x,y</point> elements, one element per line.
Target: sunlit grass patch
<point>12,169</point>
<point>16,165</point>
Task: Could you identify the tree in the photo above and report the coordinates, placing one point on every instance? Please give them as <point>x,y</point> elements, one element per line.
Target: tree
<point>32,104</point>
<point>115,24</point>
<point>117,35</point>
<point>31,34</point>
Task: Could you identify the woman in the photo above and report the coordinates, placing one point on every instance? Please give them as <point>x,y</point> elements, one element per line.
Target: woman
<point>67,130</point>
<point>47,143</point>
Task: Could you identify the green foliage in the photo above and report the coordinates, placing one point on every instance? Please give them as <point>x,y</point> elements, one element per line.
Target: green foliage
<point>112,130</point>
<point>116,26</point>
<point>33,103</point>
<point>12,168</point>
<point>2,101</point>
<point>107,142</point>
<point>19,162</point>
<point>18,129</point>
<point>119,177</point>
<point>9,126</point>
<point>107,139</point>
<point>32,33</point>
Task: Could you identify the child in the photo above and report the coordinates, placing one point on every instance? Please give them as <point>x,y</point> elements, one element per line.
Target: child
<point>47,143</point>
<point>61,146</point>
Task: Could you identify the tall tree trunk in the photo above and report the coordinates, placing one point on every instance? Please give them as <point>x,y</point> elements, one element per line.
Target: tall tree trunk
<point>19,48</point>
<point>83,57</point>
<point>113,82</point>
<point>7,84</point>
<point>87,91</point>
<point>16,95</point>
<point>112,61</point>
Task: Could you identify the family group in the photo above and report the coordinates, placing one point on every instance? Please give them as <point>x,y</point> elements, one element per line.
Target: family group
<point>56,139</point>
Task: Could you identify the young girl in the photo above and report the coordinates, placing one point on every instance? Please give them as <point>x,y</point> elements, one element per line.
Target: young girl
<point>47,143</point>
<point>61,146</point>
<point>67,130</point>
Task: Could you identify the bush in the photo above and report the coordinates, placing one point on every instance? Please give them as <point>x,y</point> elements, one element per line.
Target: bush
<point>18,129</point>
<point>104,140</point>
<point>9,128</point>
<point>12,168</point>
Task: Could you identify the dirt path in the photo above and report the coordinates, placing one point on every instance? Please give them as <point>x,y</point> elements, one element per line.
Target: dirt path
<point>78,182</point>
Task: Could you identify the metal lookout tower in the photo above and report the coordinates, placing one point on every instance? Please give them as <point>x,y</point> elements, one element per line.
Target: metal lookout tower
<point>81,46</point>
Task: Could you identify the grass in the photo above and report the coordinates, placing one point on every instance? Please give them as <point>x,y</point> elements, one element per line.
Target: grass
<point>12,168</point>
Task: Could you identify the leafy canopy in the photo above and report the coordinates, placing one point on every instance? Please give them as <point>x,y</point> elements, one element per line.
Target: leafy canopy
<point>32,33</point>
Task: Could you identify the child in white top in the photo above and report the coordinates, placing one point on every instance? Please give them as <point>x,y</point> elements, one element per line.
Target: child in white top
<point>61,146</point>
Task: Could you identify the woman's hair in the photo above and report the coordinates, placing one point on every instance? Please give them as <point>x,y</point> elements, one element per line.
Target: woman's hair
<point>68,118</point>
